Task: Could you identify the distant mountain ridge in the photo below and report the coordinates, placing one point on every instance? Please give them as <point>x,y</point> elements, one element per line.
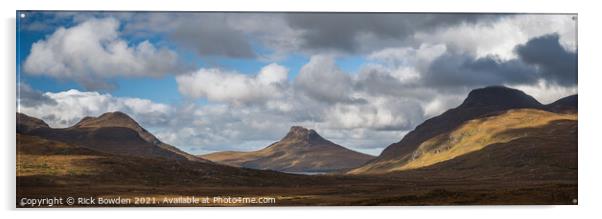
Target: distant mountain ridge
<point>566,104</point>
<point>113,132</point>
<point>301,150</point>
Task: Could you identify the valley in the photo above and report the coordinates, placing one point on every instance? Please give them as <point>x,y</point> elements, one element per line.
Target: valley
<point>500,146</point>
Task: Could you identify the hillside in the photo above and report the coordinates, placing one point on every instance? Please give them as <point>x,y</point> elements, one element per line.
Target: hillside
<point>114,133</point>
<point>27,123</point>
<point>119,119</point>
<point>480,103</point>
<point>564,105</point>
<point>59,166</point>
<point>546,152</point>
<point>301,150</point>
<point>475,135</point>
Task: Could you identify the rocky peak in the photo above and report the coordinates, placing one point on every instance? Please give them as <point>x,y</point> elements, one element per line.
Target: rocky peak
<point>500,96</point>
<point>298,133</point>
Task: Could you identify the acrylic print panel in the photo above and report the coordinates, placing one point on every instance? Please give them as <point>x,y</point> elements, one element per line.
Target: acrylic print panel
<point>170,109</point>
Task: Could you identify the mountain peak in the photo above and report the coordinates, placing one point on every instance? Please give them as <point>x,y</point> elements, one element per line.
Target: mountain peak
<point>479,103</point>
<point>300,130</point>
<point>109,119</point>
<point>301,150</point>
<point>115,115</point>
<point>301,133</point>
<point>500,96</point>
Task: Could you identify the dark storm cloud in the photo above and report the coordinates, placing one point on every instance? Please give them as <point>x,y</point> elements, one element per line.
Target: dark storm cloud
<point>211,35</point>
<point>540,58</point>
<point>554,62</point>
<point>378,82</point>
<point>29,97</point>
<point>341,31</point>
<point>456,70</point>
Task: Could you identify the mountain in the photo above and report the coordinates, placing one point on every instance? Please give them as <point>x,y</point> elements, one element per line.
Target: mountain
<point>545,151</point>
<point>114,133</point>
<point>106,156</point>
<point>301,150</point>
<point>478,134</point>
<point>480,103</point>
<point>27,123</point>
<point>119,119</point>
<point>45,166</point>
<point>566,105</point>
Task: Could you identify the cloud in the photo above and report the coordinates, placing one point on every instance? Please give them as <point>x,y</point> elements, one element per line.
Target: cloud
<point>554,62</point>
<point>322,80</point>
<point>218,85</point>
<point>540,58</point>
<point>214,127</point>
<point>93,50</point>
<point>546,92</point>
<point>366,32</point>
<point>380,114</point>
<point>499,37</point>
<point>206,34</point>
<point>272,36</point>
<point>239,34</point>
<point>397,71</point>
<point>28,97</point>
<point>212,35</point>
<point>69,107</point>
<point>461,70</point>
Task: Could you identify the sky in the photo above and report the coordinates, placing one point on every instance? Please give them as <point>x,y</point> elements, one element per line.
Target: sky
<point>208,82</point>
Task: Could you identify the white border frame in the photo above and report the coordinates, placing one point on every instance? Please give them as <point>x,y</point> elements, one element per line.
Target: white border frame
<point>590,148</point>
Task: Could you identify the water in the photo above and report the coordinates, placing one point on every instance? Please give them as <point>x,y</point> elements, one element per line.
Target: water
<point>308,173</point>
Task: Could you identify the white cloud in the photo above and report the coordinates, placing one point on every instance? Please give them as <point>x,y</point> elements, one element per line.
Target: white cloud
<point>72,105</point>
<point>321,79</point>
<point>218,85</point>
<point>273,74</point>
<point>545,92</point>
<point>380,113</point>
<point>441,103</point>
<point>93,50</point>
<point>499,38</point>
<point>408,55</point>
<point>404,63</point>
